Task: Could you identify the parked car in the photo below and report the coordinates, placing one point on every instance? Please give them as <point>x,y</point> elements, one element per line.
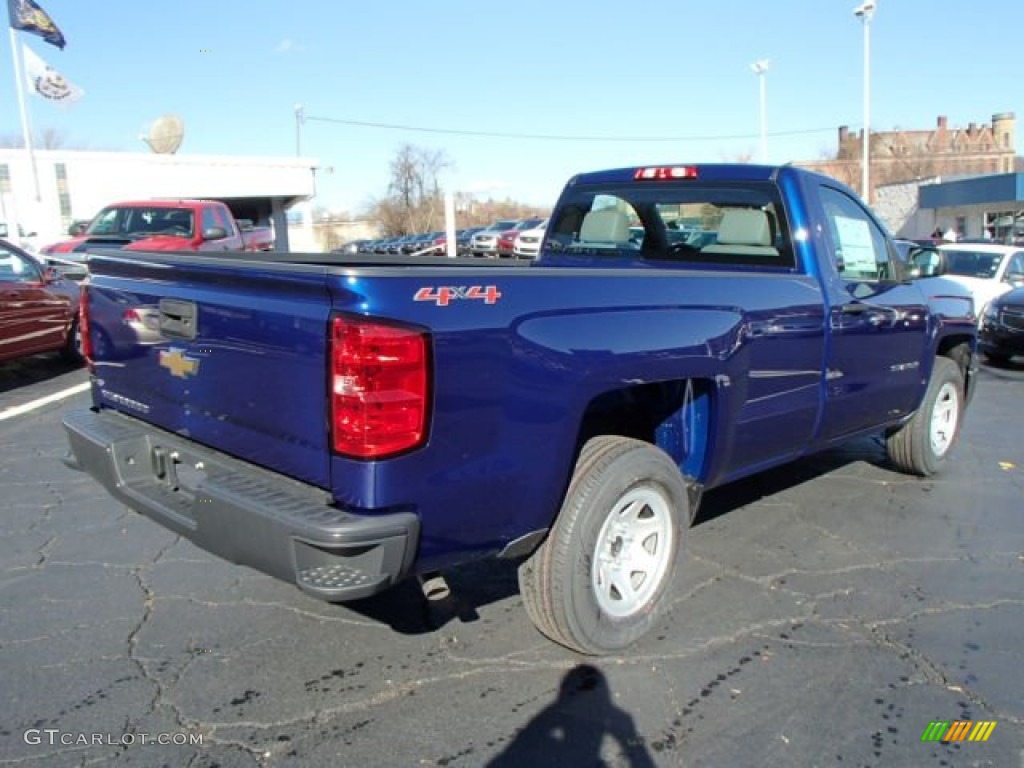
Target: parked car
<point>425,244</point>
<point>507,239</point>
<point>353,246</point>
<point>167,225</point>
<point>463,240</point>
<point>485,242</point>
<point>527,241</point>
<point>987,270</point>
<point>38,307</point>
<point>1001,335</point>
<point>384,245</point>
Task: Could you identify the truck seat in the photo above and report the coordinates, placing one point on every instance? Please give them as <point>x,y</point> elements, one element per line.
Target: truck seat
<point>607,226</point>
<point>745,231</point>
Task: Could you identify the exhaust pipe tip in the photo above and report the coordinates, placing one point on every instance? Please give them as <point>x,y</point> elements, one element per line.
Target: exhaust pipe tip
<point>434,587</point>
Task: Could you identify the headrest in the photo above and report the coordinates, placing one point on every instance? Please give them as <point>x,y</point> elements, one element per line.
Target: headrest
<point>607,225</point>
<point>744,226</point>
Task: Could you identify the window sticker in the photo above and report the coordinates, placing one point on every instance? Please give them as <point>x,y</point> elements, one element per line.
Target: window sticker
<point>856,246</point>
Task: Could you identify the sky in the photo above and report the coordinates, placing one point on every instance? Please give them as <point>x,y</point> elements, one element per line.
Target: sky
<point>518,97</point>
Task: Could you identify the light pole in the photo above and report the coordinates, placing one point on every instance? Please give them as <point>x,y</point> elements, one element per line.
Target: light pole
<point>760,69</point>
<point>300,118</point>
<point>865,11</point>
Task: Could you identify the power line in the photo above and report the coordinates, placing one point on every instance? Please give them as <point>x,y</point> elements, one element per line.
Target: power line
<point>558,137</point>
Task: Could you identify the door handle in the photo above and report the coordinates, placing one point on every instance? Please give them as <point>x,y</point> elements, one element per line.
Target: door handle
<point>876,314</point>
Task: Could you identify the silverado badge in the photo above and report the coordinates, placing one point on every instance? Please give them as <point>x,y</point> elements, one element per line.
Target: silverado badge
<point>178,363</point>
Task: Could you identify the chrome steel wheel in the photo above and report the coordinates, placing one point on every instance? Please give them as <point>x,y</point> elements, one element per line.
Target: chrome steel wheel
<point>945,419</point>
<point>633,552</point>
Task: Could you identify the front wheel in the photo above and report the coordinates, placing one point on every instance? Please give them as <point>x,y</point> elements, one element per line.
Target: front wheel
<point>601,578</point>
<point>921,446</point>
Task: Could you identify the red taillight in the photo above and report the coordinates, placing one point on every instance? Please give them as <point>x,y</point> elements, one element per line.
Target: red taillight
<point>83,324</point>
<point>380,388</point>
<point>665,172</point>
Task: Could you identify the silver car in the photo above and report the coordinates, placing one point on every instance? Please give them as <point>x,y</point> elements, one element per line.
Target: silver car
<point>485,242</point>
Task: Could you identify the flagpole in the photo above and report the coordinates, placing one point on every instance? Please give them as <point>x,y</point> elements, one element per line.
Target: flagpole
<point>19,89</point>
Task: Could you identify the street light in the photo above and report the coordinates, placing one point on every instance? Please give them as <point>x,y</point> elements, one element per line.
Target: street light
<point>865,11</point>
<point>760,69</point>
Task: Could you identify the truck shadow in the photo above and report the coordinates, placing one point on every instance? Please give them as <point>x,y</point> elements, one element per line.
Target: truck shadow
<point>407,610</point>
<point>721,501</point>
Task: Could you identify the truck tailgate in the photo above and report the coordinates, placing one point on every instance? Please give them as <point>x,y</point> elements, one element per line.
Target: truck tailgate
<point>233,359</point>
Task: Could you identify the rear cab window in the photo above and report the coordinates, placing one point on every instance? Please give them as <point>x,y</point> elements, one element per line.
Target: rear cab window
<point>713,224</point>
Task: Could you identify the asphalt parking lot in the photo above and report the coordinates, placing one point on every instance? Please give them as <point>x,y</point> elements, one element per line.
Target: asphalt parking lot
<point>829,612</point>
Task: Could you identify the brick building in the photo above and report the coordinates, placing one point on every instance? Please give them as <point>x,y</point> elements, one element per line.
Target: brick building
<point>902,156</point>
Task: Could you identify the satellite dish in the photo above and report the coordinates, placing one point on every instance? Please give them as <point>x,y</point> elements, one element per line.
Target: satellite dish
<point>166,135</point>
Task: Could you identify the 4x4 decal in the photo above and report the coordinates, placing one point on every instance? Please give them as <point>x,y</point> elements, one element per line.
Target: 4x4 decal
<point>444,295</point>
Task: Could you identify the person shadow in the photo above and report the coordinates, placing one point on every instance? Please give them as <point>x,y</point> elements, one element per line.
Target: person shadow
<point>570,731</point>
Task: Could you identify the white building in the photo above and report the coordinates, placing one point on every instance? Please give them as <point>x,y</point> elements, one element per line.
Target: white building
<point>72,185</point>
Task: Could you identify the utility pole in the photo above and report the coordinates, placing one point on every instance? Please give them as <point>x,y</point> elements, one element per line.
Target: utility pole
<point>300,118</point>
<point>760,68</point>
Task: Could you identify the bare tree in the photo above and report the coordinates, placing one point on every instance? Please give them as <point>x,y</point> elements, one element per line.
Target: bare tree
<point>414,202</point>
<point>51,138</point>
<point>47,138</point>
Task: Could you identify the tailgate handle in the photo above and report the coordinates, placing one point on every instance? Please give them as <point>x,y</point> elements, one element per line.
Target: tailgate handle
<point>178,319</point>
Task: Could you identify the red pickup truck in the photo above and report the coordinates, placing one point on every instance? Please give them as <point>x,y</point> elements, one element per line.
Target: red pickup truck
<point>167,225</point>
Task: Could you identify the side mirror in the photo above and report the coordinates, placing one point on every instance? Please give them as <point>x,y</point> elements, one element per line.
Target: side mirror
<point>215,233</point>
<point>51,275</point>
<point>926,263</point>
<point>1015,278</point>
<point>77,228</point>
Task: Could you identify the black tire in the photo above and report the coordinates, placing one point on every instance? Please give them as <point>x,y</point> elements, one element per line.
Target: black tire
<point>72,349</point>
<point>601,578</point>
<point>922,445</point>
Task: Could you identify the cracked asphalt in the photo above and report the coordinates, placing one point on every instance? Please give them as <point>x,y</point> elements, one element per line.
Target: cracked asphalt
<point>828,612</point>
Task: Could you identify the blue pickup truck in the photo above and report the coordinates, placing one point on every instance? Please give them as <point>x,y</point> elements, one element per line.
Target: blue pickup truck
<point>343,421</point>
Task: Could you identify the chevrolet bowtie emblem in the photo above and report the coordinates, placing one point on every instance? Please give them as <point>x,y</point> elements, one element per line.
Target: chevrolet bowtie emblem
<point>178,363</point>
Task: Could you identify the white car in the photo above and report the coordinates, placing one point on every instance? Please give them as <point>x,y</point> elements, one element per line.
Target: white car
<point>527,244</point>
<point>987,270</point>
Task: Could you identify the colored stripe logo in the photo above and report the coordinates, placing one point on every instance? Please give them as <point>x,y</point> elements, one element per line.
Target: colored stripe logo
<point>958,730</point>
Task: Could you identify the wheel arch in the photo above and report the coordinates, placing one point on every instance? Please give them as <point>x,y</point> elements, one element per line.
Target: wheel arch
<point>960,348</point>
<point>677,416</point>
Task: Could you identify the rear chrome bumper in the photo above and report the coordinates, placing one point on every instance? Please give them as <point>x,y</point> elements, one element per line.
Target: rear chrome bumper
<point>241,512</point>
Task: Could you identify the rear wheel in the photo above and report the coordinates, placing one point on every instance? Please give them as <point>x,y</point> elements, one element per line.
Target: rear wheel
<point>601,578</point>
<point>921,446</point>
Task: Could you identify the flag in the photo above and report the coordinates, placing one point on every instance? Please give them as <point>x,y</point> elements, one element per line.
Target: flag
<point>43,80</point>
<point>27,16</point>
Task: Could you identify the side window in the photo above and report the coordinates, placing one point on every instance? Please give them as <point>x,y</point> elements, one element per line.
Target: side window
<point>225,220</point>
<point>861,249</point>
<point>210,219</point>
<point>15,268</point>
